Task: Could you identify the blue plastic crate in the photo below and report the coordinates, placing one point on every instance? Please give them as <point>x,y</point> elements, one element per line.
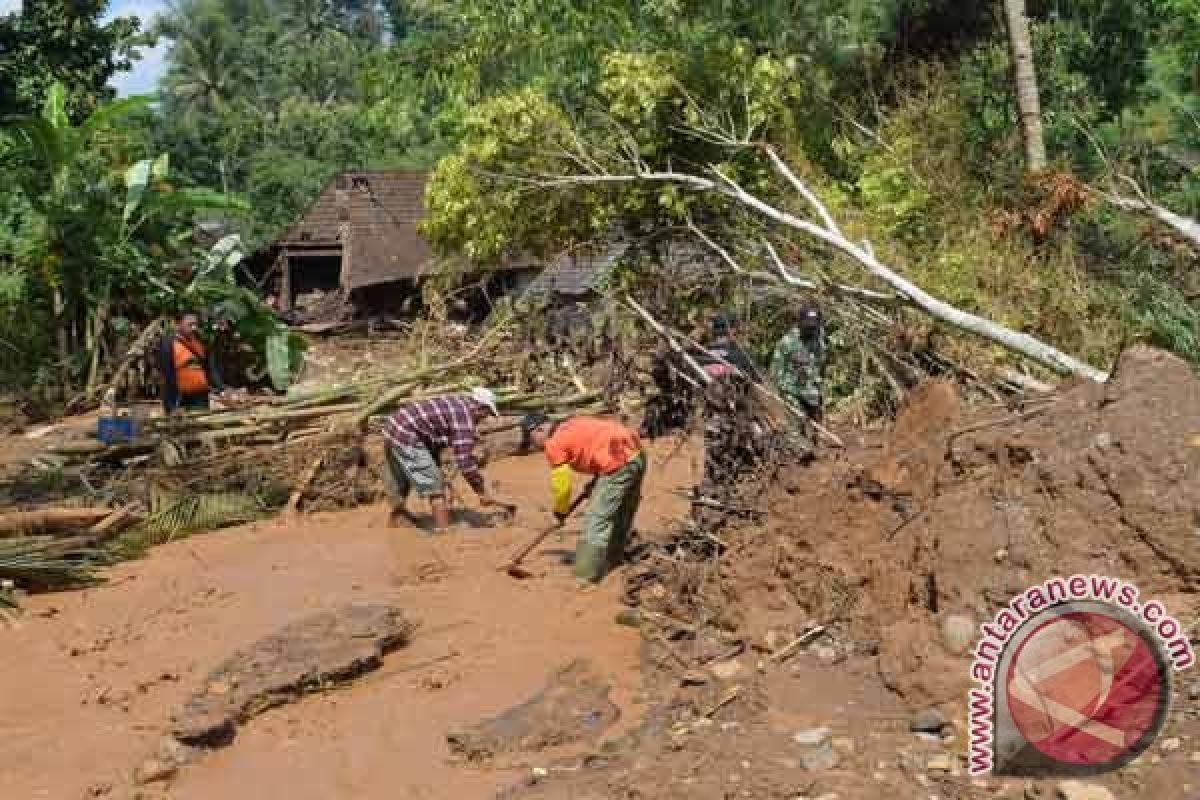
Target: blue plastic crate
<point>111,430</point>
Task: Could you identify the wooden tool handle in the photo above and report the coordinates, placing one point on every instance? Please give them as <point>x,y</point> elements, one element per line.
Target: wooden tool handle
<point>527,549</point>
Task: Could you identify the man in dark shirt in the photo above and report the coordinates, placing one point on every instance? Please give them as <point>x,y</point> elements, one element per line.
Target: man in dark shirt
<point>416,435</point>
<point>726,352</point>
<point>732,371</point>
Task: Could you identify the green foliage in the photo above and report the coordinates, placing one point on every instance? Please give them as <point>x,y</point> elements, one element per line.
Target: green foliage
<point>95,231</point>
<point>51,42</point>
<point>1163,316</point>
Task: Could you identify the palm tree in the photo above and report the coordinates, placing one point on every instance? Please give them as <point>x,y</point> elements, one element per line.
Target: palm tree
<point>1025,77</point>
<point>207,69</point>
<point>308,20</point>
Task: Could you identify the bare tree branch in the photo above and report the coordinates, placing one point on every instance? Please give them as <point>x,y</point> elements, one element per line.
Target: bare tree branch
<point>786,171</point>
<point>671,341</point>
<point>1015,341</point>
<point>1184,226</point>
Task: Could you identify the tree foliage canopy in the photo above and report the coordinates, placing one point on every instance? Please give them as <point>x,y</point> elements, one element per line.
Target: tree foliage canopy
<point>901,113</point>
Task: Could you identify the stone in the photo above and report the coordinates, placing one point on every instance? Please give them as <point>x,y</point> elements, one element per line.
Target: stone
<point>693,677</point>
<point>774,640</point>
<point>324,649</point>
<point>958,633</point>
<point>817,759</point>
<point>1195,758</point>
<point>941,762</point>
<point>726,670</point>
<point>573,706</point>
<point>1102,440</point>
<point>174,752</point>
<point>828,655</point>
<point>152,770</point>
<point>1078,790</point>
<point>816,749</point>
<point>1170,745</point>
<point>1000,555</point>
<point>812,737</point>
<point>928,720</point>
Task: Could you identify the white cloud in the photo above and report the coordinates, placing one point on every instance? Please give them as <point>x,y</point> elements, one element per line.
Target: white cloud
<point>9,6</point>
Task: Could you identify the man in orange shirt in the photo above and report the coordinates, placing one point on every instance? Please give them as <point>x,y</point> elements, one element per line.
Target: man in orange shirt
<point>612,453</point>
<point>188,369</point>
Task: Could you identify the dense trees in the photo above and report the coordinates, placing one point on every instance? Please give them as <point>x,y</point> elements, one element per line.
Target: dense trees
<point>904,114</point>
<point>62,41</point>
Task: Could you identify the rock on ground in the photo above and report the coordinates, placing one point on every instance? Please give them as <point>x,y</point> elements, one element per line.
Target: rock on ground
<point>1078,790</point>
<point>572,707</point>
<point>319,651</point>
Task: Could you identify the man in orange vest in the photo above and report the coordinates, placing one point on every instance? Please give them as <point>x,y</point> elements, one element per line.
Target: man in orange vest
<point>189,373</point>
<point>613,454</point>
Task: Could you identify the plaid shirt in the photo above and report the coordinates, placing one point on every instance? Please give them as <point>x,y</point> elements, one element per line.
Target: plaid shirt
<point>435,423</point>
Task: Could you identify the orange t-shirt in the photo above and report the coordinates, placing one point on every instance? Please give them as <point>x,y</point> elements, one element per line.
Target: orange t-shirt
<point>190,375</point>
<point>592,446</point>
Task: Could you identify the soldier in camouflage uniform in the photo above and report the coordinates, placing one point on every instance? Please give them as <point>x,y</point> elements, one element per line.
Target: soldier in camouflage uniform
<point>798,362</point>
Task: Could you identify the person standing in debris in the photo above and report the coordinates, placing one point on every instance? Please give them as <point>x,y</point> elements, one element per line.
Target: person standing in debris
<point>726,352</point>
<point>613,454</point>
<point>416,435</point>
<point>189,371</point>
<point>727,442</point>
<point>798,363</point>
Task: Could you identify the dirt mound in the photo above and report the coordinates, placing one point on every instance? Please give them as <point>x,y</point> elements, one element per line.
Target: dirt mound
<point>955,517</point>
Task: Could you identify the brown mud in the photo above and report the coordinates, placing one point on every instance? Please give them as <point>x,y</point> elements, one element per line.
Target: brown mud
<point>951,514</point>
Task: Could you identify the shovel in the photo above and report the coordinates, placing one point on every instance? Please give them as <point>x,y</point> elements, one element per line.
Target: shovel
<point>513,565</point>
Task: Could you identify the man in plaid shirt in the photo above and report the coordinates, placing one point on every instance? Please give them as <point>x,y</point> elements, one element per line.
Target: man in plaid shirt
<point>416,435</point>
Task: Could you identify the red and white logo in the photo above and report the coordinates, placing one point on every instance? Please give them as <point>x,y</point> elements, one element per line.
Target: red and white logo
<point>1082,688</point>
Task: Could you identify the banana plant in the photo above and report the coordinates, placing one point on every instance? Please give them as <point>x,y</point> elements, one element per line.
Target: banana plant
<point>101,231</point>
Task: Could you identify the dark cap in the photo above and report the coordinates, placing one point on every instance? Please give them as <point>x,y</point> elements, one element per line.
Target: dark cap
<point>808,317</point>
<point>530,423</point>
<point>723,323</point>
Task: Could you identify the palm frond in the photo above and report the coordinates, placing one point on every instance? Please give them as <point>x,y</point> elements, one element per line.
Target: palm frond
<point>178,515</point>
<point>48,562</point>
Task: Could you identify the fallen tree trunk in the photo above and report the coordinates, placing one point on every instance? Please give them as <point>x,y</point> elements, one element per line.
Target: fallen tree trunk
<point>828,232</point>
<point>1185,227</point>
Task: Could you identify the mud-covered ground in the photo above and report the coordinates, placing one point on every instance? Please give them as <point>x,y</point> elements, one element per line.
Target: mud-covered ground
<point>886,545</point>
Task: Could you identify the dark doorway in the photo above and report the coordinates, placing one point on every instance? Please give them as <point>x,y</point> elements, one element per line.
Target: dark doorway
<point>322,273</point>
